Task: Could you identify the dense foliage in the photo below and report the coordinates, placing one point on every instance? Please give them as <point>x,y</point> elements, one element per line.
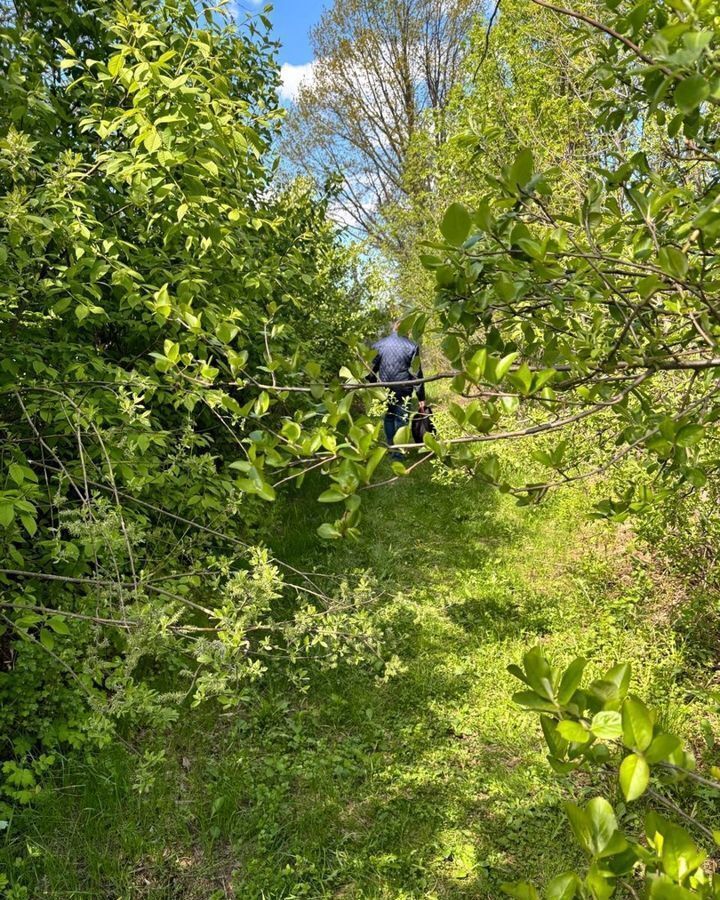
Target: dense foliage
<point>607,309</point>
<point>148,260</point>
<point>601,726</point>
<point>184,339</point>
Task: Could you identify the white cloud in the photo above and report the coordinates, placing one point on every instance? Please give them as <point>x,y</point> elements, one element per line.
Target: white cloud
<point>239,10</point>
<point>292,77</point>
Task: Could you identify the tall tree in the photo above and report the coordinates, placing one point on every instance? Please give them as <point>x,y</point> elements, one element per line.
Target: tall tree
<point>523,83</point>
<point>384,73</point>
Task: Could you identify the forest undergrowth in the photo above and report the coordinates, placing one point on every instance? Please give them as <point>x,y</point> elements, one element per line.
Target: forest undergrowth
<point>419,780</point>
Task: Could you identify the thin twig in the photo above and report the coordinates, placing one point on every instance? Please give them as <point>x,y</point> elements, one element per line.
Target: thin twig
<point>92,582</point>
<point>679,811</point>
<point>486,50</point>
<point>573,14</point>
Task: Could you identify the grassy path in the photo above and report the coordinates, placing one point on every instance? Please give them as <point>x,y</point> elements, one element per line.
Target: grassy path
<point>428,784</point>
<point>458,795</point>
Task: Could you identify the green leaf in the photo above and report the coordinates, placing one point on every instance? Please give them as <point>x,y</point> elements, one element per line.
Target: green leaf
<point>697,477</point>
<point>531,700</point>
<point>375,459</point>
<point>689,435</point>
<point>266,491</point>
<point>522,378</point>
<point>433,445</point>
<point>599,884</point>
<point>476,366</point>
<point>531,247</point>
<point>571,679</point>
<point>484,217</point>
<point>619,675</point>
<point>663,746</point>
<point>521,171</point>
<point>7,513</point>
<point>16,473</point>
<point>573,732</point>
<point>163,305</point>
<point>29,524</point>
<point>563,887</point>
<point>607,725</point>
<point>332,495</point>
<point>637,724</point>
<point>646,287</point>
<point>556,744</point>
<point>152,140</point>
<point>46,639</point>
<point>446,276</point>
<point>506,288</point>
<point>455,225</point>
<point>612,687</point>
<point>680,855</point>
<point>503,366</point>
<point>226,331</point>
<point>603,824</point>
<point>634,776</point>
<point>292,431</point>
<point>539,673</point>
<point>662,889</point>
<point>58,625</point>
<point>262,404</point>
<point>690,93</point>
<point>517,672</point>
<point>580,824</point>
<point>329,532</point>
<point>430,262</point>
<point>450,347</point>
<point>673,261</point>
<point>115,64</point>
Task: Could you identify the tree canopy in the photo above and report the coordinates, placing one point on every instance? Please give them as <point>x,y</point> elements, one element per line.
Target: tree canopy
<point>383,75</point>
<point>606,310</point>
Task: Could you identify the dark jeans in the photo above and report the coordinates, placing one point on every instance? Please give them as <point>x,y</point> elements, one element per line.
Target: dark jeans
<point>396,416</point>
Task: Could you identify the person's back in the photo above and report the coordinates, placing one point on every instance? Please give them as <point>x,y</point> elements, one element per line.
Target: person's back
<point>394,362</point>
<point>396,356</point>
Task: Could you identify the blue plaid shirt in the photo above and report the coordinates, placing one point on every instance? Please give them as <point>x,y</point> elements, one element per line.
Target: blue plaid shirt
<point>395,358</point>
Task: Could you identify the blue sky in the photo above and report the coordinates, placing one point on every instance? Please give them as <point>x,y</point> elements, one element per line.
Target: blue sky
<point>292,21</point>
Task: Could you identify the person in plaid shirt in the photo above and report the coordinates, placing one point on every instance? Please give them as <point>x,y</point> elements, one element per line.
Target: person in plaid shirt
<point>395,358</point>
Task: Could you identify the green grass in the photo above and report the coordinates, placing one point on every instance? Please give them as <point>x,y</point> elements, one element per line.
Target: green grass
<point>426,784</point>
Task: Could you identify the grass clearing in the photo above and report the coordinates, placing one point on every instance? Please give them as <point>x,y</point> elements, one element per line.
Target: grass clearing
<point>428,783</point>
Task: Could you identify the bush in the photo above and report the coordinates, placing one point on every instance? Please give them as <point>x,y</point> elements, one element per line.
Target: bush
<point>600,727</point>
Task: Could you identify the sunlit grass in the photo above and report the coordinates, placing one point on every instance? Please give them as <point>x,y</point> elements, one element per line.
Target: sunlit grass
<point>429,783</point>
